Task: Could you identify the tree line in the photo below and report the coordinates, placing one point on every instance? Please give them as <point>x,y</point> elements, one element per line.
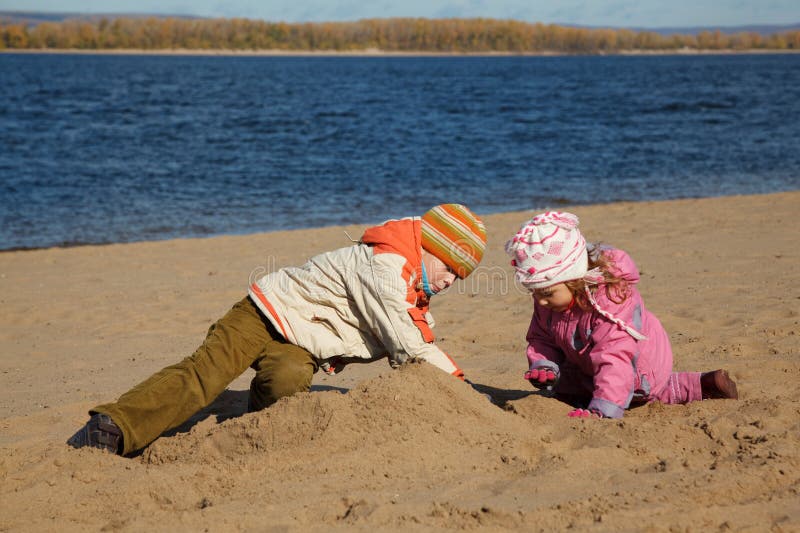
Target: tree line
<point>392,35</point>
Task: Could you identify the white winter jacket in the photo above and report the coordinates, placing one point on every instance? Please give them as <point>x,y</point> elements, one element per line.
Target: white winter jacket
<point>357,304</point>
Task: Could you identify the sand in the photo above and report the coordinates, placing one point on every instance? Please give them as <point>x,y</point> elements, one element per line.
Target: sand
<point>411,449</point>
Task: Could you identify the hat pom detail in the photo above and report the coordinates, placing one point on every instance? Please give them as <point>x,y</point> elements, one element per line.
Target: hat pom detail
<point>561,219</point>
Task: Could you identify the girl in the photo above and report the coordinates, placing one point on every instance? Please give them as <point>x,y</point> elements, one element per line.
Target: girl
<point>591,340</point>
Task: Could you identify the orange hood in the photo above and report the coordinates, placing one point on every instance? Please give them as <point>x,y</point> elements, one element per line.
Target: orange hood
<point>403,237</point>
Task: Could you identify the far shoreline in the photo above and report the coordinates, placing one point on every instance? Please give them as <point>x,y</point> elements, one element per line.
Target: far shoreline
<point>374,52</point>
<point>282,231</point>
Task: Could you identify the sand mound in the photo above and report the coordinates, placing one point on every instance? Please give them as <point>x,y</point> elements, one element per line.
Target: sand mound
<point>415,412</point>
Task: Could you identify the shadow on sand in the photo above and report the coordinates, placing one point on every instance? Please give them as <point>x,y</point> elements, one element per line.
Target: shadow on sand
<point>231,404</point>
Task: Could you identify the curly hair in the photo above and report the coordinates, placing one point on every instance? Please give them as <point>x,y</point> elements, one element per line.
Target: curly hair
<point>616,288</point>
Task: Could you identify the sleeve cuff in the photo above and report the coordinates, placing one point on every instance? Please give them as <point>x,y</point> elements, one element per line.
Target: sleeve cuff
<point>549,365</point>
<point>609,409</point>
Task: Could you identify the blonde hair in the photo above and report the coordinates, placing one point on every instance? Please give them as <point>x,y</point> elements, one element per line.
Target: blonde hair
<point>617,289</point>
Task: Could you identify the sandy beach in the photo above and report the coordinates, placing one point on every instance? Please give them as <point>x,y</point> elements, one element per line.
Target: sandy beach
<point>412,449</point>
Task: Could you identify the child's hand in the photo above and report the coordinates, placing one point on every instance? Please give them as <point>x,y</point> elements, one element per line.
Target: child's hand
<point>541,377</point>
<point>585,413</point>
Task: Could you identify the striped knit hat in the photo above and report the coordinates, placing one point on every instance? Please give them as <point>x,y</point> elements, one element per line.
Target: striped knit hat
<point>455,235</point>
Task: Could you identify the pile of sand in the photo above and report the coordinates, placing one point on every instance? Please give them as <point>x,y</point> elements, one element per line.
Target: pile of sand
<point>415,414</point>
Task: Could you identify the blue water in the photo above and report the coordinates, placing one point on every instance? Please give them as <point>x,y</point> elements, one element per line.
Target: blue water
<point>98,149</point>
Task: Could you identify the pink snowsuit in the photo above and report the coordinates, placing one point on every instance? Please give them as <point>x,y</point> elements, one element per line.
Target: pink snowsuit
<point>595,358</point>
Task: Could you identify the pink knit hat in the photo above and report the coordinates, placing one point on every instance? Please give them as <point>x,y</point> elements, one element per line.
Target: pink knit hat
<point>548,250</point>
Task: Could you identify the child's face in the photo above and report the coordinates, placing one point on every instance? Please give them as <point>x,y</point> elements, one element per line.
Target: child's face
<point>439,275</point>
<point>557,298</point>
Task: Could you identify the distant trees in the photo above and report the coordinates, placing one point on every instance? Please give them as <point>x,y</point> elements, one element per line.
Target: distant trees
<point>395,34</point>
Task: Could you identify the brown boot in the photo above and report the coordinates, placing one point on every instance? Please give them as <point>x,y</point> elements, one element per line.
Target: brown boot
<point>718,385</point>
<point>99,432</point>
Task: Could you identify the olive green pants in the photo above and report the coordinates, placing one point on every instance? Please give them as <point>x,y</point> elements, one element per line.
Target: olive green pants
<point>242,338</point>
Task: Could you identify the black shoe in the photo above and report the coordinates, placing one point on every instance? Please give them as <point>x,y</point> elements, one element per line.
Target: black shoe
<point>99,432</point>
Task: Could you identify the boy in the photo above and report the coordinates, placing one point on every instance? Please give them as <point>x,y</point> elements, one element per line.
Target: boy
<point>355,304</point>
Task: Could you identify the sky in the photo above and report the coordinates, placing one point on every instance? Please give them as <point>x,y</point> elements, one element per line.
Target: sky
<point>613,13</point>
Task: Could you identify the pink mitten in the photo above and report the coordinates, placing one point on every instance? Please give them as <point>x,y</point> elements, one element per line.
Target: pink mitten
<point>584,413</point>
<point>540,377</point>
